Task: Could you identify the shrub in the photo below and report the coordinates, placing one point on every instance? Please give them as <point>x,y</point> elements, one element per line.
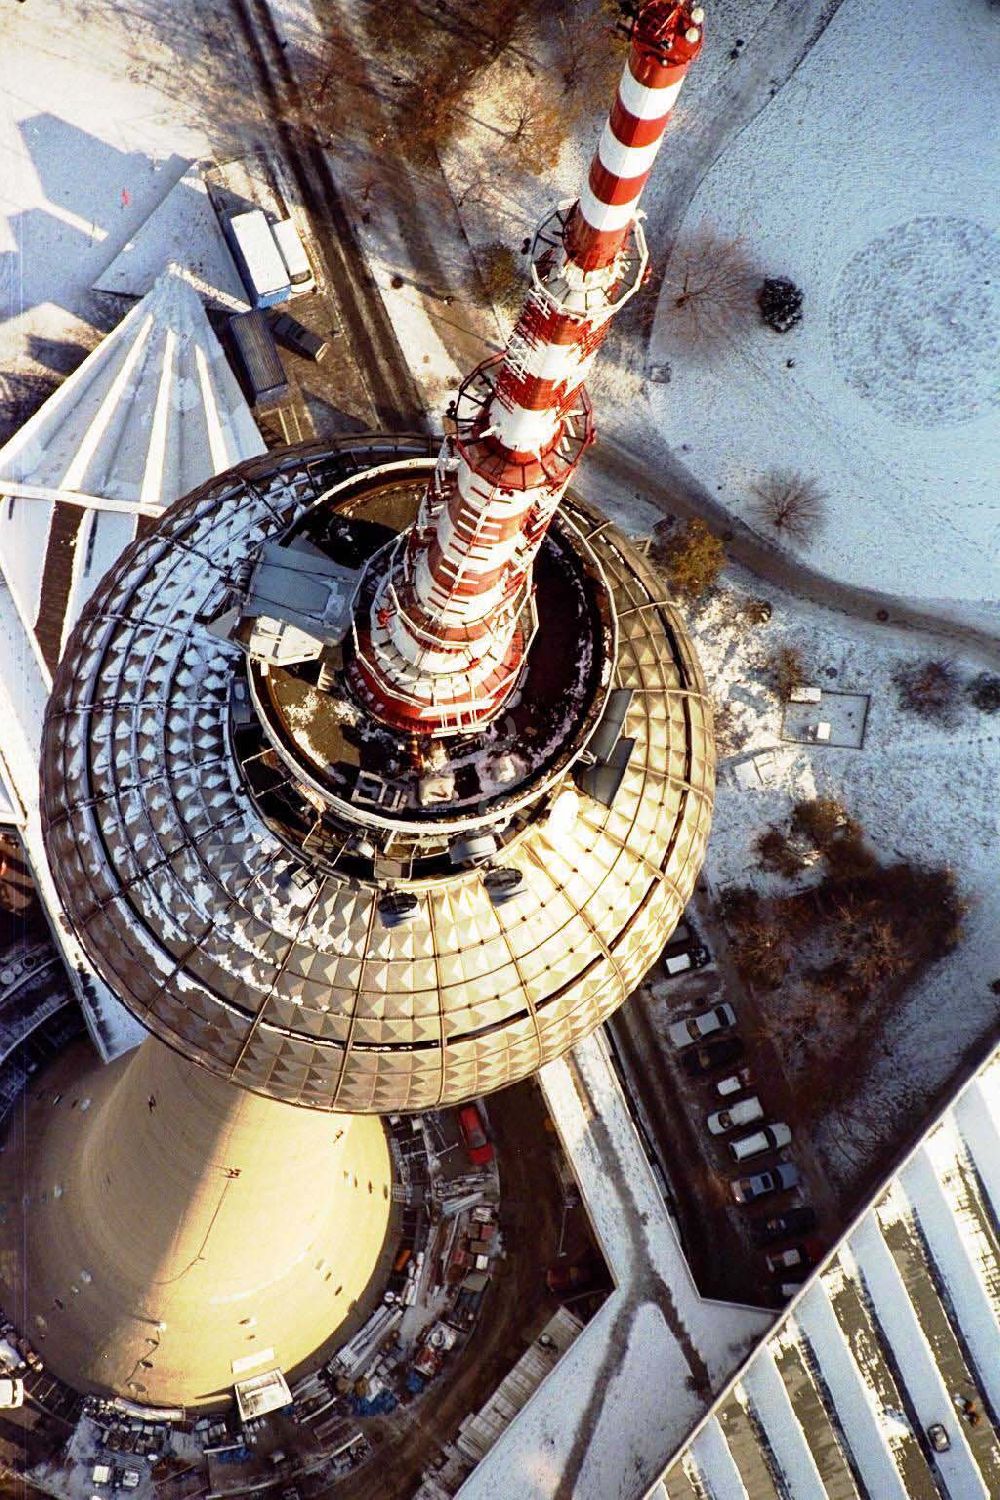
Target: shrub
<point>762,955</point>
<point>777,854</point>
<point>821,820</point>
<point>503,278</point>
<point>692,557</point>
<point>929,689</point>
<point>787,671</point>
<point>780,303</point>
<point>791,503</point>
<point>984,691</point>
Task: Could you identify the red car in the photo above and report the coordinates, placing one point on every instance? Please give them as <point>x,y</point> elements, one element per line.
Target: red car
<point>478,1147</point>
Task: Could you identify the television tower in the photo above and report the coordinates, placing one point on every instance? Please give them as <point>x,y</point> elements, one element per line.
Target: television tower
<point>372,781</point>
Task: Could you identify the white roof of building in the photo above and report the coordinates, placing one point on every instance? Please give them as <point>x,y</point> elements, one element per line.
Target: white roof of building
<point>182,230</point>
<point>900,1320</point>
<point>150,415</point>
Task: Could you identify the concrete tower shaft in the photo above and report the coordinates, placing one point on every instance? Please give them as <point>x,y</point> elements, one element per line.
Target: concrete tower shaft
<point>175,1225</point>
<point>452,618</point>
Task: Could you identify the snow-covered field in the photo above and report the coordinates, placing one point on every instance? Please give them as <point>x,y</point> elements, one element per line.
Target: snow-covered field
<point>867,180</point>
<point>101,109</point>
<point>921,792</point>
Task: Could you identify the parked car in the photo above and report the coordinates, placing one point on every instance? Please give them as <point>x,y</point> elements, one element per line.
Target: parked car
<point>733,1083</point>
<point>711,1055</point>
<point>11,1393</point>
<point>677,963</point>
<point>744,1112</point>
<point>696,1028</point>
<point>301,340</point>
<point>781,1226</point>
<point>784,1260</point>
<point>477,1146</point>
<point>767,1138</point>
<point>939,1439</point>
<point>775,1180</point>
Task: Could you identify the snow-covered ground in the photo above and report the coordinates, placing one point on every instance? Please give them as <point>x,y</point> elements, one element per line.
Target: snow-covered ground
<point>920,792</point>
<point>869,181</point>
<point>101,110</point>
<point>627,1392</point>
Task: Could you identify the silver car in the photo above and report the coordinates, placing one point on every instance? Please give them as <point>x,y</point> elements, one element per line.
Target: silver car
<point>696,1028</point>
<point>742,1113</point>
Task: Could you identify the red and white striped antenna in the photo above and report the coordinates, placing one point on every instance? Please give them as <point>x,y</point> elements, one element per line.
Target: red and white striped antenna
<point>452,616</point>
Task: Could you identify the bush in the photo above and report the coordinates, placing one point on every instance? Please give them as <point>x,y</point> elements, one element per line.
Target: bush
<point>787,671</point>
<point>777,854</point>
<point>791,503</point>
<point>762,955</point>
<point>692,557</point>
<point>929,689</point>
<point>821,820</point>
<point>780,303</point>
<point>503,278</point>
<point>849,857</point>
<point>984,691</point>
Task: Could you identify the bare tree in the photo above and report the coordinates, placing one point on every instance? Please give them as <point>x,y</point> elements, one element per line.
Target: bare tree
<point>791,503</point>
<point>535,128</point>
<point>709,284</point>
<point>930,689</point>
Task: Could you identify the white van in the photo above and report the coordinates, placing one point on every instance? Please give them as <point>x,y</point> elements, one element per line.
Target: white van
<point>293,253</point>
<point>768,1138</point>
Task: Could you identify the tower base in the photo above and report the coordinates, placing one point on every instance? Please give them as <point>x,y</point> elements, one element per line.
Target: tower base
<point>165,1233</point>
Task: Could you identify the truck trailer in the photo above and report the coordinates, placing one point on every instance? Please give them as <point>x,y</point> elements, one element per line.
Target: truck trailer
<point>258,258</point>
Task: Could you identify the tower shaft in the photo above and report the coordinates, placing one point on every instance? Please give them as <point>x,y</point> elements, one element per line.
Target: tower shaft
<point>175,1225</point>
<point>451,619</point>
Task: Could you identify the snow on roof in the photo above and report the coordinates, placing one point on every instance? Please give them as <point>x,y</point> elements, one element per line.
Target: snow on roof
<point>183,231</point>
<point>24,688</point>
<point>896,1334</point>
<point>152,413</point>
<point>628,1389</point>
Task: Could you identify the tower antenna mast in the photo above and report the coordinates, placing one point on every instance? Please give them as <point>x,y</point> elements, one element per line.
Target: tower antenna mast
<point>446,618</point>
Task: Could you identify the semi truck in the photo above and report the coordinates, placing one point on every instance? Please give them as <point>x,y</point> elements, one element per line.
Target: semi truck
<point>258,258</point>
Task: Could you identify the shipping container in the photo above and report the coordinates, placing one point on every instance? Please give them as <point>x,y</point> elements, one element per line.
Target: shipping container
<point>258,358</point>
<point>258,258</point>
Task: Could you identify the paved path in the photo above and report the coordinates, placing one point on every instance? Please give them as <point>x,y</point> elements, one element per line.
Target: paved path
<point>658,477</point>
<point>638,1376</point>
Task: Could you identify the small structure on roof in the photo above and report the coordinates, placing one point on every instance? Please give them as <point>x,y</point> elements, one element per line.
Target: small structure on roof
<point>259,1394</point>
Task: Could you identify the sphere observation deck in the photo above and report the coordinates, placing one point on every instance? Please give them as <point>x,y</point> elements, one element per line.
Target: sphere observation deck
<point>330,912</point>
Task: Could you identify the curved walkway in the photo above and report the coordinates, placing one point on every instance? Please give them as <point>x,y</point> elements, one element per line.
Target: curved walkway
<point>659,477</point>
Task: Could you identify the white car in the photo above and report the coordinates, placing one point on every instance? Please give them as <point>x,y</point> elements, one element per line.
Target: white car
<point>696,1028</point>
<point>733,1083</point>
<point>767,1138</point>
<point>742,1113</point>
<point>11,1393</point>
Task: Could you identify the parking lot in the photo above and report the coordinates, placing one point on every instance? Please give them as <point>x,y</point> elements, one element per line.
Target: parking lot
<point>675,1041</point>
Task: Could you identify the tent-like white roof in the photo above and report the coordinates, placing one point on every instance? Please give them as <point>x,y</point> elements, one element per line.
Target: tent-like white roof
<point>182,230</point>
<point>894,1336</point>
<point>150,415</point>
